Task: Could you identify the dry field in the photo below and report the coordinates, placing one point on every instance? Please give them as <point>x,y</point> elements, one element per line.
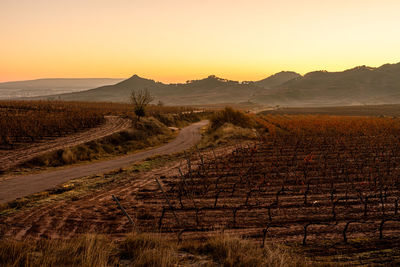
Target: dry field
<point>311,180</point>
<point>327,184</point>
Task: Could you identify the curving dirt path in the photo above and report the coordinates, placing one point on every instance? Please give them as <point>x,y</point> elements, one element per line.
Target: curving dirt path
<point>21,186</point>
<point>11,158</point>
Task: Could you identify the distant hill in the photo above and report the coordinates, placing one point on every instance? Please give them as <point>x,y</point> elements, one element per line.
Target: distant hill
<point>118,92</point>
<point>277,79</point>
<point>210,90</point>
<point>358,86</point>
<point>41,87</point>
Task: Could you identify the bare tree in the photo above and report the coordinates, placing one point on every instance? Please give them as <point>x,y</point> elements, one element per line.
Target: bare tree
<point>140,99</point>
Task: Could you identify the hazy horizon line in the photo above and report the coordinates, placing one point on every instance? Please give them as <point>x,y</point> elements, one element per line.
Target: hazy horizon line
<point>184,80</point>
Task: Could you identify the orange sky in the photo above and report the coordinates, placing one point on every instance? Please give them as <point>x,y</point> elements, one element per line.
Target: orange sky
<point>176,40</point>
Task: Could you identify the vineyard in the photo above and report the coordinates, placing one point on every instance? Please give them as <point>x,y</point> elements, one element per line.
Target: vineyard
<point>323,184</point>
<point>308,179</point>
<point>30,121</point>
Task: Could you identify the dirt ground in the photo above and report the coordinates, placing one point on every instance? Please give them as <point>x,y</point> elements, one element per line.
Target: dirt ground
<point>94,212</point>
<point>97,212</point>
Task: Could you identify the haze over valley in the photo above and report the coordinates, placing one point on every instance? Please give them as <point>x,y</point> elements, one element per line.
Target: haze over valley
<point>43,87</point>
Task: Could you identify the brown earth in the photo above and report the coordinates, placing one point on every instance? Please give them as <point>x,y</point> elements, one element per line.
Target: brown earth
<point>95,212</point>
<point>11,158</point>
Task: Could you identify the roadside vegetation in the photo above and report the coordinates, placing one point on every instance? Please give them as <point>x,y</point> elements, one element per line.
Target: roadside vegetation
<point>229,126</point>
<point>149,132</point>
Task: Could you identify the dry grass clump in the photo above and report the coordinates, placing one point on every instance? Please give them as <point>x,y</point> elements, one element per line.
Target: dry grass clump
<point>144,249</point>
<point>87,250</point>
<point>90,250</point>
<point>231,251</point>
<point>149,250</point>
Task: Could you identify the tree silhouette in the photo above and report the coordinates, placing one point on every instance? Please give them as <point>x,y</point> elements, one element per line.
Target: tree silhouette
<point>140,99</point>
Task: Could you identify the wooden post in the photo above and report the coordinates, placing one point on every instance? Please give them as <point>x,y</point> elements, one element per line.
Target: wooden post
<point>123,210</point>
<point>169,203</point>
<point>188,161</point>
<point>213,151</point>
<point>201,157</point>
<point>180,172</point>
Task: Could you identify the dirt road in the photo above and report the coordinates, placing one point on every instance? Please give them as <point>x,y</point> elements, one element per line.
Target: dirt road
<point>11,158</point>
<point>21,186</point>
<point>96,211</point>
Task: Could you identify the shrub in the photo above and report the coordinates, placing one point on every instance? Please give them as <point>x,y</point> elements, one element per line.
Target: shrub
<point>68,157</point>
<point>229,115</point>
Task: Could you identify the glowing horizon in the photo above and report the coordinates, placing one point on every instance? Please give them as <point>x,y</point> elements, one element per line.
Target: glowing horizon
<point>177,40</point>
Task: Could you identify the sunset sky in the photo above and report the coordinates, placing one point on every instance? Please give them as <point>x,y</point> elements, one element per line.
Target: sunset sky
<point>176,40</point>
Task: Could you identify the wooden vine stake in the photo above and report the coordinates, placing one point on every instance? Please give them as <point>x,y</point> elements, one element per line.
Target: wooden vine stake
<point>123,210</point>
<point>169,203</point>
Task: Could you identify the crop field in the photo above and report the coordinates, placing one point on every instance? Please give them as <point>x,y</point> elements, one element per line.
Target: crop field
<point>310,179</point>
<point>22,122</point>
<point>30,121</point>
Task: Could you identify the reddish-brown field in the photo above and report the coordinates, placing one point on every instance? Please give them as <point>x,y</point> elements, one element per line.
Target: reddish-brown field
<point>309,180</point>
<point>312,180</point>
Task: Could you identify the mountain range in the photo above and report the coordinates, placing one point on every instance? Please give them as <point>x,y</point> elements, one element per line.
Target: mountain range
<point>357,86</point>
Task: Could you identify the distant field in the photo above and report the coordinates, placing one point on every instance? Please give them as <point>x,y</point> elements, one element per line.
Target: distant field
<point>367,110</point>
<point>22,122</point>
